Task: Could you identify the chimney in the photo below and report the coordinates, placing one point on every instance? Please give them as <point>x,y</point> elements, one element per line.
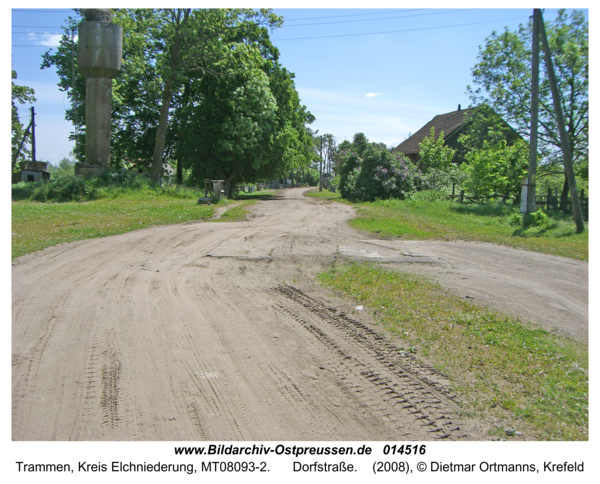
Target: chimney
<point>459,107</point>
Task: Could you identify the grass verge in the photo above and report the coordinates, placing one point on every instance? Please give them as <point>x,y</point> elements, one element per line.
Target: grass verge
<point>529,380</point>
<point>239,211</point>
<point>445,220</point>
<point>323,194</point>
<point>37,225</point>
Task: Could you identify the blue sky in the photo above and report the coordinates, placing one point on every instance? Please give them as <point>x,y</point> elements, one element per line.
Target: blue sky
<point>383,71</point>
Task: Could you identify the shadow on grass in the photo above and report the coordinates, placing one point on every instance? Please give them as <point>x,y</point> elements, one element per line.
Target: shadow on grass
<point>263,197</point>
<point>484,210</point>
<point>541,232</point>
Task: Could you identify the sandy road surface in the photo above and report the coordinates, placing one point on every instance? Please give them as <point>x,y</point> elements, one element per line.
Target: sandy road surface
<point>213,331</point>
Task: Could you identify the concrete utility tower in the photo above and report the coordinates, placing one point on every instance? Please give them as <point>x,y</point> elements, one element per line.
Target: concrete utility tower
<point>99,60</point>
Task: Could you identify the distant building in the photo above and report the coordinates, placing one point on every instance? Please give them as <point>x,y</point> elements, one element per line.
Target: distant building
<point>30,173</point>
<point>453,125</point>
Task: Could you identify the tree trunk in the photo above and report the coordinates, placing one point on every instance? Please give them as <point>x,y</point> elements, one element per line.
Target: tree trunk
<point>179,172</point>
<point>167,95</point>
<point>564,195</point>
<point>564,136</point>
<point>229,185</point>
<point>161,133</point>
<point>321,165</point>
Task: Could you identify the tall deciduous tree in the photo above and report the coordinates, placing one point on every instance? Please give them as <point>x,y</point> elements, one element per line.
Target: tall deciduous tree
<point>192,41</point>
<point>163,51</point>
<point>245,125</point>
<point>21,95</point>
<point>502,79</point>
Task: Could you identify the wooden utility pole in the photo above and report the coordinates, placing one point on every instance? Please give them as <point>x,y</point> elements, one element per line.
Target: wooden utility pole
<point>564,139</point>
<point>535,89</point>
<point>33,137</point>
<point>321,165</point>
<point>74,96</point>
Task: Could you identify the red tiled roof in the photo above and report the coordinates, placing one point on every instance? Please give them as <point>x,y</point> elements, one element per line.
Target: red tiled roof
<point>447,123</point>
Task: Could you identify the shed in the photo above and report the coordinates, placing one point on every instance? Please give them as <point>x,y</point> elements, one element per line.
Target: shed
<point>31,172</point>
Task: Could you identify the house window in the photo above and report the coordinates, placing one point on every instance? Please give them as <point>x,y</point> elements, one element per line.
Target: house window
<point>30,178</point>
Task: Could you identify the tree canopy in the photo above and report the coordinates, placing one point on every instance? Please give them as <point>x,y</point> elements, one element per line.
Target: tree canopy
<point>502,79</point>
<point>201,89</point>
<point>21,95</point>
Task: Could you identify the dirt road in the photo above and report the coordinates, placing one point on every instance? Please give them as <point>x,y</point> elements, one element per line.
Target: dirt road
<point>214,331</point>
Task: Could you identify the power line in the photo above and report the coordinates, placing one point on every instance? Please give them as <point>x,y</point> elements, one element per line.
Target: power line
<point>35,27</point>
<point>385,18</point>
<point>287,26</point>
<point>333,36</point>
<point>291,20</point>
<point>320,23</point>
<point>348,15</point>
<point>42,9</point>
<point>404,30</point>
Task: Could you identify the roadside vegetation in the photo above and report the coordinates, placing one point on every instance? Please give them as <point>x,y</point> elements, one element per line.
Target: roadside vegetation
<point>532,383</point>
<point>326,194</point>
<point>430,215</point>
<point>69,208</point>
<point>396,198</point>
<point>420,218</point>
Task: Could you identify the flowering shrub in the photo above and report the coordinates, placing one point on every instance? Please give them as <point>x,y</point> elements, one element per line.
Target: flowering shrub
<point>377,175</point>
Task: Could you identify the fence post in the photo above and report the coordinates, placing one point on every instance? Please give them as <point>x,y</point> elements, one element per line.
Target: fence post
<point>462,195</point>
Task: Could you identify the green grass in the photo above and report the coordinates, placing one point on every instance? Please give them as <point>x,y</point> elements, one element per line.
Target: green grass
<point>531,380</point>
<point>37,225</point>
<point>236,213</point>
<point>77,189</point>
<point>323,194</point>
<point>445,220</point>
<point>239,211</point>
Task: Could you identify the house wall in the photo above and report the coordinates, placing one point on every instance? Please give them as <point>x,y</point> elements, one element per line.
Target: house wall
<point>30,176</point>
<point>452,142</point>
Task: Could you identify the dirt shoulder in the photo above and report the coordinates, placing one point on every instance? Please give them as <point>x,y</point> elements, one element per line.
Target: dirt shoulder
<point>207,331</point>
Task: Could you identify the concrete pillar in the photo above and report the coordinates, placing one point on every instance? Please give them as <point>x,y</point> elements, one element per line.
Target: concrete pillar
<point>99,60</point>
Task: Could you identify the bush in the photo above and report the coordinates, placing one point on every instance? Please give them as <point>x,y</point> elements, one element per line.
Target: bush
<point>536,219</point>
<point>496,170</point>
<point>443,180</point>
<point>377,175</point>
<point>514,220</point>
<point>113,184</point>
<point>430,195</point>
<point>434,154</point>
<point>65,189</point>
